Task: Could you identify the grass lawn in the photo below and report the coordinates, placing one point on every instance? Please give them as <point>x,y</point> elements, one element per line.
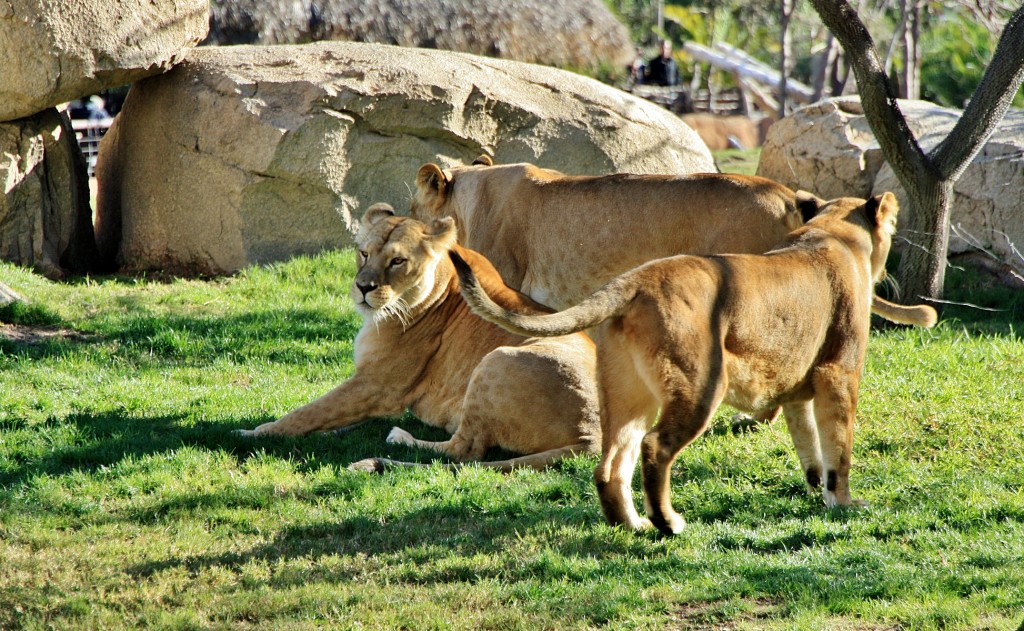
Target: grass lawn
<point>126,501</point>
<point>742,161</point>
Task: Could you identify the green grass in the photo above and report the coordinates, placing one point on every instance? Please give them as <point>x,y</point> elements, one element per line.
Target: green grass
<point>126,501</point>
<point>742,161</point>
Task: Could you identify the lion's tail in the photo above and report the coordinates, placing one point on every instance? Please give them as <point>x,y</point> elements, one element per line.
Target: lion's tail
<point>918,315</point>
<point>603,304</point>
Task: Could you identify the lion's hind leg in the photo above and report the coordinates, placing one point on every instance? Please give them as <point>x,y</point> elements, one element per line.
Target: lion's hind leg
<point>628,410</point>
<point>537,461</point>
<point>460,446</point>
<point>684,416</point>
<point>835,403</point>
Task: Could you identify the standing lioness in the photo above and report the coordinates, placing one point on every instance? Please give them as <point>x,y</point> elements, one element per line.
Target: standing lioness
<point>685,334</point>
<point>558,237</point>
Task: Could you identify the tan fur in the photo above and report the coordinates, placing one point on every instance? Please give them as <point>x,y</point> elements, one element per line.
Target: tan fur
<point>421,349</point>
<point>725,132</point>
<point>685,334</point>
<point>557,238</point>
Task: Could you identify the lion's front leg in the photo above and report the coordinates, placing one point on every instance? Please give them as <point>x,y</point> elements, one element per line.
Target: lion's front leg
<point>351,402</point>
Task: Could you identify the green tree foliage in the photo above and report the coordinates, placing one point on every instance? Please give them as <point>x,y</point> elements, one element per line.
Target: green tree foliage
<point>956,51</point>
<point>958,36</point>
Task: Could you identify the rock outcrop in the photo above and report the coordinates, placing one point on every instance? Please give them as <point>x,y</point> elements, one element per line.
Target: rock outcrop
<point>571,33</point>
<point>8,295</point>
<point>56,51</point>
<point>828,148</point>
<point>246,154</point>
<point>45,218</point>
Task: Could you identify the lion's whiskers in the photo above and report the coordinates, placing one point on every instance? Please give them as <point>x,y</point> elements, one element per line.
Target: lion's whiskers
<point>398,309</point>
<point>892,284</point>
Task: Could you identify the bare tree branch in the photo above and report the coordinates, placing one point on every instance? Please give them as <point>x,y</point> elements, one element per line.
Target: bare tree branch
<point>991,99</point>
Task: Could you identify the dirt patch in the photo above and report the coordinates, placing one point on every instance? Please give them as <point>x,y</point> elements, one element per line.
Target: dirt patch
<point>713,617</point>
<point>758,613</point>
<point>22,334</point>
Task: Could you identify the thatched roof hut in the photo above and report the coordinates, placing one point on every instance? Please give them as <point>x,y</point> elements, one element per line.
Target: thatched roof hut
<point>575,34</point>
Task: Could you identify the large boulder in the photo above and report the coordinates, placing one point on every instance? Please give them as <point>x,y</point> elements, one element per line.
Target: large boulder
<point>247,154</point>
<point>54,52</point>
<point>828,148</point>
<point>571,33</point>
<point>45,218</point>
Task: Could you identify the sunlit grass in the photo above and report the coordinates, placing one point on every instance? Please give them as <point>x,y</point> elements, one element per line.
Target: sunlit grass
<point>126,501</point>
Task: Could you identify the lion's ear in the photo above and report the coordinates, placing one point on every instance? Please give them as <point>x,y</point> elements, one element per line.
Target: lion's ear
<point>809,205</point>
<point>442,233</point>
<point>432,184</point>
<point>376,212</point>
<point>881,211</point>
<point>483,160</point>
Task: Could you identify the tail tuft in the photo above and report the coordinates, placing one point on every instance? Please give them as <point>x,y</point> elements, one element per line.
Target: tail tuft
<point>462,268</point>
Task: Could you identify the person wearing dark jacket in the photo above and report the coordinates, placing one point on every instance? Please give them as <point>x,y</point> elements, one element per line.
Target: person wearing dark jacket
<point>662,70</point>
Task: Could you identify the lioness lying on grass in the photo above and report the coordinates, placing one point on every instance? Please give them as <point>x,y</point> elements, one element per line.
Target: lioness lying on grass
<point>685,334</point>
<point>421,349</point>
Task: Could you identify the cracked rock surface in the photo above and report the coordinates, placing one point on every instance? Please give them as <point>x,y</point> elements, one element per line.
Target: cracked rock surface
<point>45,219</point>
<point>253,154</point>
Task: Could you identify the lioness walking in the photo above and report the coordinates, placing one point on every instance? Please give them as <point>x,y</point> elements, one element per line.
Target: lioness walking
<point>685,334</point>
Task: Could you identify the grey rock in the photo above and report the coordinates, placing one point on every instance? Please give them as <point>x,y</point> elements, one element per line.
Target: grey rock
<point>45,218</point>
<point>59,50</point>
<point>245,155</point>
<point>828,148</point>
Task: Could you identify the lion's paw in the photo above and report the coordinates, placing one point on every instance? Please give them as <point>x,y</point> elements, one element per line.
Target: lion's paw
<point>637,524</point>
<point>369,465</point>
<point>832,501</point>
<point>398,436</point>
<point>674,524</point>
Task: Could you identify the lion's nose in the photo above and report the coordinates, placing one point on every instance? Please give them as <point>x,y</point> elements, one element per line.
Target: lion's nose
<point>366,288</point>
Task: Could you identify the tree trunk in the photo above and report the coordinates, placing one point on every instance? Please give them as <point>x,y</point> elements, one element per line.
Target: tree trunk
<point>824,68</point>
<point>925,240</point>
<point>912,51</point>
<point>786,49</point>
<point>897,37</point>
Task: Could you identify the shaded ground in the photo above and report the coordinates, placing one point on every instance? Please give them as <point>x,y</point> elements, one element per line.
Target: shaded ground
<point>25,334</point>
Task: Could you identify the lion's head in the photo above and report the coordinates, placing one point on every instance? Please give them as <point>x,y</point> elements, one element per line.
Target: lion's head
<point>398,262</point>
<point>877,216</point>
<point>434,189</point>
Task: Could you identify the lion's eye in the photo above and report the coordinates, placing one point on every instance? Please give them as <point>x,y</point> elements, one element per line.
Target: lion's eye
<point>395,262</point>
<point>362,254</point>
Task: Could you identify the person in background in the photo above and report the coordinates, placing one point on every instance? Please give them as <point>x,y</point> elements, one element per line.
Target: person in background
<point>96,108</point>
<point>662,70</point>
<point>638,68</point>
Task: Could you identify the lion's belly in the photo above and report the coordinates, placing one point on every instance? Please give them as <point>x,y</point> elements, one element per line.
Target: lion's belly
<point>560,289</point>
<point>440,404</point>
<point>758,385</point>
